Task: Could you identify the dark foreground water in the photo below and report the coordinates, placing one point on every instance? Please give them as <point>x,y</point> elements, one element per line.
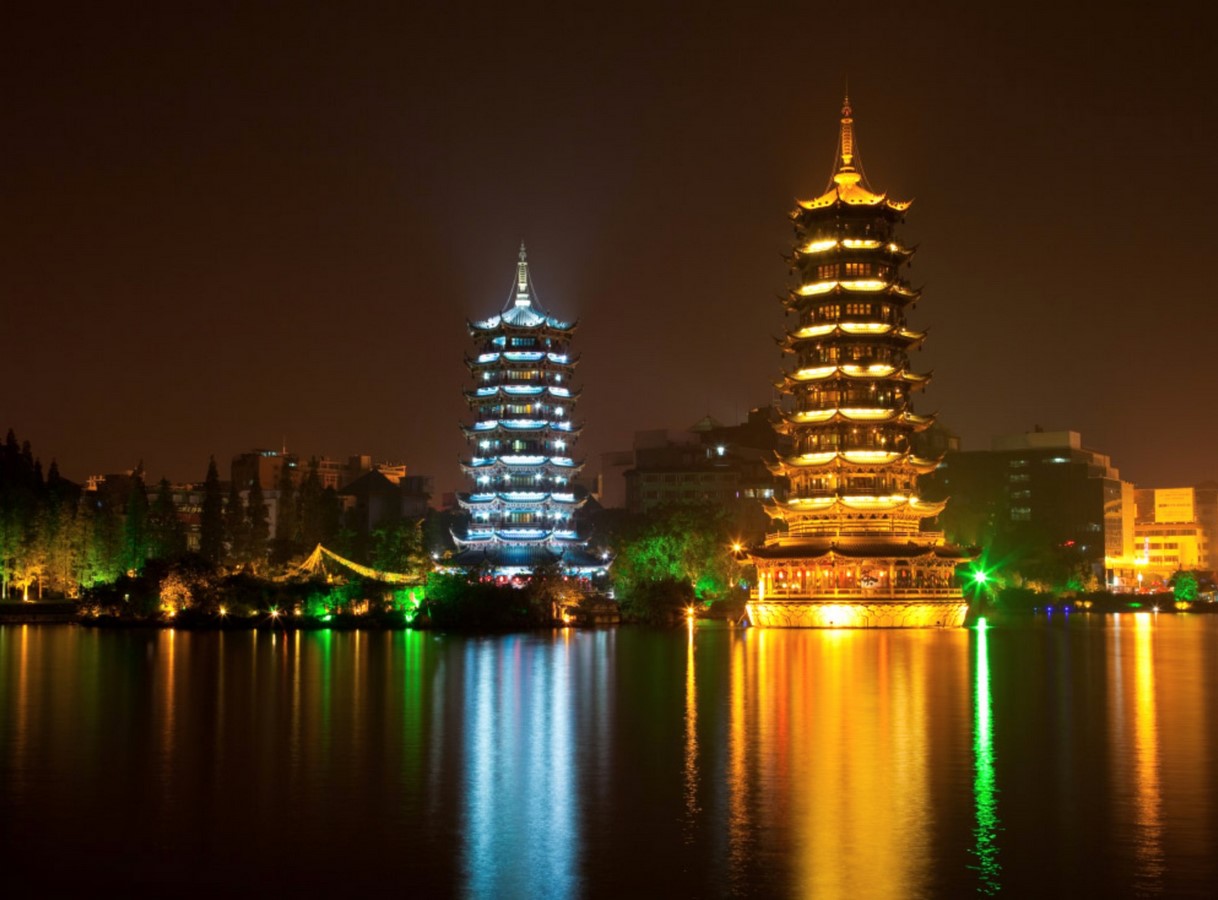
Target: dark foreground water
<point>1061,758</point>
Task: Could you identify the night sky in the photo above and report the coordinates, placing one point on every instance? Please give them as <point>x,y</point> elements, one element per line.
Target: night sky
<point>223,228</point>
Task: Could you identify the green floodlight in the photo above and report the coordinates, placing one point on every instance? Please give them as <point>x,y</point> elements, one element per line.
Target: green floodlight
<point>979,576</point>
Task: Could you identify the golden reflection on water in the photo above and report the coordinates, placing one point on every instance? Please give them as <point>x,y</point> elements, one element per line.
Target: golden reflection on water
<point>1148,819</point>
<point>835,726</point>
<point>690,770</point>
<point>167,684</point>
<point>738,806</point>
<point>22,730</point>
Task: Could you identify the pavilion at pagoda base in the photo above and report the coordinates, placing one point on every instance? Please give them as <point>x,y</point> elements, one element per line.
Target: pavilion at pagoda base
<point>872,612</point>
<point>858,581</point>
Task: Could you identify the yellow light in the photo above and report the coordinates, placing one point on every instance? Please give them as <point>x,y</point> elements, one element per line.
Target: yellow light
<point>736,547</point>
<point>860,413</point>
<point>819,287</point>
<point>815,372</point>
<point>855,244</point>
<point>223,611</point>
<point>878,370</point>
<point>869,456</point>
<point>865,284</point>
<point>813,331</point>
<point>819,246</point>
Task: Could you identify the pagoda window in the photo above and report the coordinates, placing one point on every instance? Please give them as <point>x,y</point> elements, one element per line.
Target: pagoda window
<point>523,342</point>
<point>828,312</point>
<point>858,270</point>
<point>826,273</point>
<point>858,309</point>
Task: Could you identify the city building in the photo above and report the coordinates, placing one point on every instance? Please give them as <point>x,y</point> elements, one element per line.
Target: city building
<point>1174,529</point>
<point>379,498</point>
<point>523,500</point>
<point>1040,493</point>
<point>709,463</point>
<point>849,550</point>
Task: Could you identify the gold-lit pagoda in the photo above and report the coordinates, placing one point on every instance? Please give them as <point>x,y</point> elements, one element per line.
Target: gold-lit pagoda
<point>849,549</point>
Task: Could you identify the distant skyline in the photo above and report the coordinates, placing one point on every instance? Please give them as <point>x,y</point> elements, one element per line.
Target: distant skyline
<point>227,228</point>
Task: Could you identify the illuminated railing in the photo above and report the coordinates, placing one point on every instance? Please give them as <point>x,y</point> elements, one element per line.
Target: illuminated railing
<point>868,594</point>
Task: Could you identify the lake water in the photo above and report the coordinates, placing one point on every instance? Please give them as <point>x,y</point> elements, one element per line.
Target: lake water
<point>1062,757</point>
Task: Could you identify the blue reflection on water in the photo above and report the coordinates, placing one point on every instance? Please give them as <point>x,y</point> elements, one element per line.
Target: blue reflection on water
<point>520,807</point>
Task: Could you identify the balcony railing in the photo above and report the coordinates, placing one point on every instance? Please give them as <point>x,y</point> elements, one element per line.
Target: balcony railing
<point>870,594</point>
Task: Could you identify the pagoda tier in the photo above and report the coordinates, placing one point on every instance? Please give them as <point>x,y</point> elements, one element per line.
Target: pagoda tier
<point>850,528</point>
<point>520,511</point>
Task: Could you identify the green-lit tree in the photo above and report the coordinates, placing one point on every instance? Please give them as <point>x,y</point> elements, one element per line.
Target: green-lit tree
<point>1185,585</point>
<point>211,517</point>
<point>678,545</point>
<point>136,533</point>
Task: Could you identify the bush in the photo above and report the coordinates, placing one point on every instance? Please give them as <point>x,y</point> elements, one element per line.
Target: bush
<point>661,602</point>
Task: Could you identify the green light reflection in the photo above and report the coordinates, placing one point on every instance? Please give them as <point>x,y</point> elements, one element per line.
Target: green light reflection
<point>985,789</point>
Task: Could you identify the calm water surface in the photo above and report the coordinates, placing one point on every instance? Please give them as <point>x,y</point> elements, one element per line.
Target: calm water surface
<point>1061,758</point>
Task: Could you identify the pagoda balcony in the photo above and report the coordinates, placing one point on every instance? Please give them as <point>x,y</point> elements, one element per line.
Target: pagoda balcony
<point>851,372</point>
<point>497,362</point>
<point>829,247</point>
<point>855,286</point>
<point>822,330</point>
<point>513,535</point>
<point>515,425</point>
<point>879,592</point>
<point>524,355</point>
<point>519,459</point>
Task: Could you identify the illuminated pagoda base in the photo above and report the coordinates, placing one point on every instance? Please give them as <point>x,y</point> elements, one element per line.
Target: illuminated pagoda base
<point>859,583</point>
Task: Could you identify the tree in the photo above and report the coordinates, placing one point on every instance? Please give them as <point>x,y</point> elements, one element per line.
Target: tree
<point>1185,586</point>
<point>19,497</point>
<point>686,543</point>
<point>287,520</point>
<point>399,547</point>
<point>168,537</point>
<point>310,503</point>
<point>135,525</point>
<point>236,527</point>
<point>211,518</point>
<point>258,526</point>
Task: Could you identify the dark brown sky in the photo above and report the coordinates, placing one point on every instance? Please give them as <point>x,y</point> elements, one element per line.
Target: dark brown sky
<point>226,226</point>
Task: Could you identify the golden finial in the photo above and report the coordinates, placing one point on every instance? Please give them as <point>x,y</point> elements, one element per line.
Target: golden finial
<point>845,174</point>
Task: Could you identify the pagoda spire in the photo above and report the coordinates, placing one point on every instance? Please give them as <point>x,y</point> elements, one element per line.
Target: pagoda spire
<point>522,278</point>
<point>845,173</point>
